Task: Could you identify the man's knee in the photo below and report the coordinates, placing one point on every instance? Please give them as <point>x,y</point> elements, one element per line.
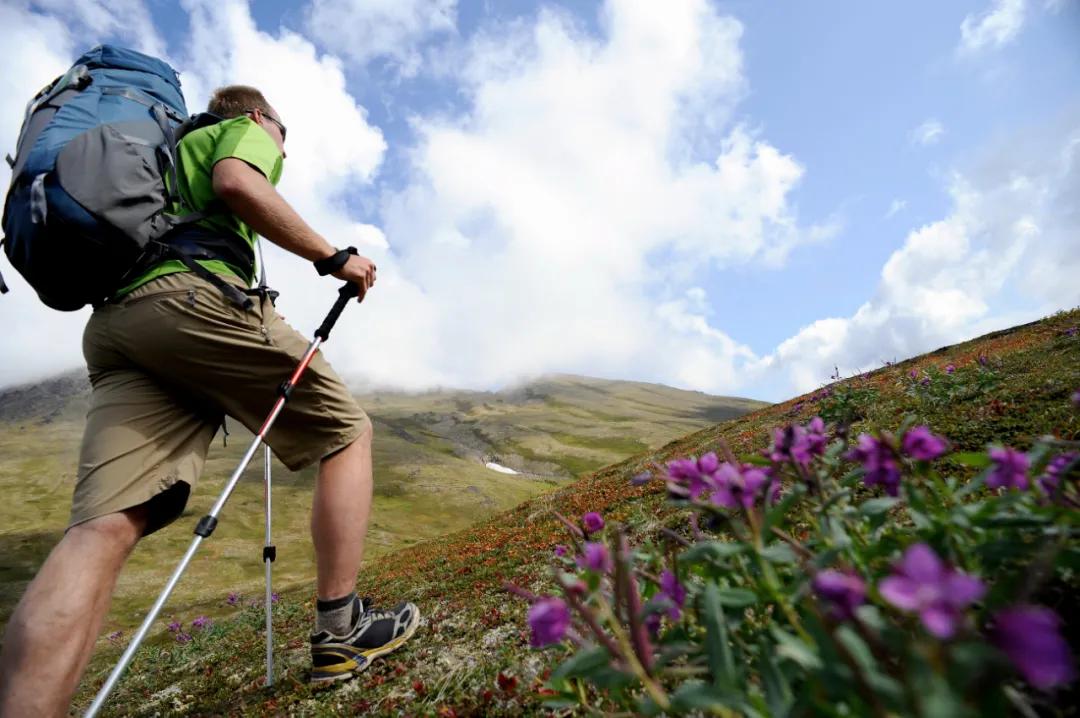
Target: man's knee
<point>122,529</point>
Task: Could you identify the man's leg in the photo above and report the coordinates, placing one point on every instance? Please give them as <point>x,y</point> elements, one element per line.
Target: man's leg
<point>339,516</point>
<point>51,635</point>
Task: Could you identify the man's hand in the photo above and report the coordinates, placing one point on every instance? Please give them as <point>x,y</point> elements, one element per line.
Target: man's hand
<point>360,271</point>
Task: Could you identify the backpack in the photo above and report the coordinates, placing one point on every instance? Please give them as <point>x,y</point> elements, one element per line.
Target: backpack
<point>89,205</point>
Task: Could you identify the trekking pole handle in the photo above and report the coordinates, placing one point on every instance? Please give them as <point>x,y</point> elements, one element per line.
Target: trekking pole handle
<point>348,292</point>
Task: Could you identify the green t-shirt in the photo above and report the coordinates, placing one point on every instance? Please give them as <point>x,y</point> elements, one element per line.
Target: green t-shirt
<point>197,153</point>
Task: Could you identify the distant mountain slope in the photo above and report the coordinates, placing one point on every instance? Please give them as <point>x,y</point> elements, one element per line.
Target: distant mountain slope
<point>431,456</point>
<point>471,656</point>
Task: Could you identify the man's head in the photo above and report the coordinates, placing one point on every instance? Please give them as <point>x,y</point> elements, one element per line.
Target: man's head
<point>235,100</point>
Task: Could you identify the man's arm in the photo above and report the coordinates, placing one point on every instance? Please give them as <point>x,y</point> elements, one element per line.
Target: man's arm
<point>255,201</point>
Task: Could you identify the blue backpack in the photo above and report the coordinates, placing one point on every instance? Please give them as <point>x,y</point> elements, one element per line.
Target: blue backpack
<point>89,205</point>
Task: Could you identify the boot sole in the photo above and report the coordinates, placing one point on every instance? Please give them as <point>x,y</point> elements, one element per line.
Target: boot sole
<point>347,673</point>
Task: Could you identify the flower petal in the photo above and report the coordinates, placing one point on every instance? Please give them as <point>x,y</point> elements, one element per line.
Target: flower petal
<point>962,589</point>
<point>921,564</point>
<point>901,592</point>
<point>939,620</point>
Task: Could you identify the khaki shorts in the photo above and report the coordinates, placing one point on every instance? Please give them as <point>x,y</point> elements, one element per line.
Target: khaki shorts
<point>166,363</point>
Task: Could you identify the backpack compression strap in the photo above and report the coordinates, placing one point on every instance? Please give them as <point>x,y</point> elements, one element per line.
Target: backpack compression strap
<point>232,293</point>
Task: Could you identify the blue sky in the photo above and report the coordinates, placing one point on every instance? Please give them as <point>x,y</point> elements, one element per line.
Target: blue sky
<point>840,93</point>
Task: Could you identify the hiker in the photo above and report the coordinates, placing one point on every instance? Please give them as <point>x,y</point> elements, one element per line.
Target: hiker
<point>169,356</point>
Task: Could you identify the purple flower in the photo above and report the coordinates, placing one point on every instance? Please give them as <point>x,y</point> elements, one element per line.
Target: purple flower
<point>592,522</point>
<point>641,479</point>
<point>914,374</point>
<point>274,597</point>
<point>233,598</point>
<point>879,463</point>
<point>695,475</point>
<point>983,361</point>
<point>1031,637</point>
<point>1076,398</point>
<point>815,436</point>
<point>182,637</point>
<point>790,444</point>
<point>1009,470</point>
<point>950,368</point>
<point>115,637</point>
<point>843,591</point>
<point>922,444</point>
<point>560,550</point>
<point>202,622</point>
<point>741,487</point>
<point>674,592</point>
<point>922,583</point>
<point>1058,466</point>
<point>549,618</point>
<point>925,381</point>
<point>175,627</point>
<point>595,558</point>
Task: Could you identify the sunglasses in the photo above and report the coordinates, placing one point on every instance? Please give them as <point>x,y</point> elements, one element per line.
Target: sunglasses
<point>275,121</point>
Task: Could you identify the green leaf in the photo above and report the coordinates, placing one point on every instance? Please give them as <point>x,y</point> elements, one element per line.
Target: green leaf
<point>699,696</point>
<point>775,515</point>
<point>881,682</point>
<point>736,597</point>
<point>1032,521</point>
<point>792,648</point>
<point>779,553</point>
<point>647,707</point>
<point>712,551</point>
<point>840,537</point>
<point>873,507</point>
<point>607,678</point>
<point>976,459</point>
<point>721,663</point>
<point>560,702</point>
<point>582,663</point>
<point>777,688</point>
<point>835,498</point>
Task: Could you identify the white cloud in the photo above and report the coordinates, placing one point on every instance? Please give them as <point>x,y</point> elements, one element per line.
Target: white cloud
<point>897,205</point>
<point>992,29</point>
<point>1006,253</point>
<point>566,221</point>
<point>928,133</point>
<point>551,226</point>
<point>362,30</point>
<point>32,348</point>
<point>92,21</point>
<point>333,152</point>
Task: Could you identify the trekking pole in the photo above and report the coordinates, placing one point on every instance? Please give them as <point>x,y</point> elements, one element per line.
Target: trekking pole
<point>269,556</point>
<point>208,523</point>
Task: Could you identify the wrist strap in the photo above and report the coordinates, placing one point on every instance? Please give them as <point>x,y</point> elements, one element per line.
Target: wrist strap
<point>337,260</point>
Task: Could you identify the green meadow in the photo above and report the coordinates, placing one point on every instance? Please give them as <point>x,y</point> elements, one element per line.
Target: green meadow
<point>431,478</point>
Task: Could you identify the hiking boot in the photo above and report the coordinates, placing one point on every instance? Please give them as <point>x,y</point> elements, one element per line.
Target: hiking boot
<point>376,633</point>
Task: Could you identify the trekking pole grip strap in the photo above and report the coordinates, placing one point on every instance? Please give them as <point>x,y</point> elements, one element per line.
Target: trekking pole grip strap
<point>348,292</point>
<point>337,260</point>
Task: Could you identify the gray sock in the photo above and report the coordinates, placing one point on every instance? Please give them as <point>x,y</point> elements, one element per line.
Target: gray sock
<point>338,615</point>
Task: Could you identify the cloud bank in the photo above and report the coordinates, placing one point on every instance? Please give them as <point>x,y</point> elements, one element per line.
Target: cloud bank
<point>573,217</point>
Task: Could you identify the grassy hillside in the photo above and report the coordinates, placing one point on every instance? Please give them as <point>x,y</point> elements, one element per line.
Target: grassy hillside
<point>430,476</point>
<point>471,655</point>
